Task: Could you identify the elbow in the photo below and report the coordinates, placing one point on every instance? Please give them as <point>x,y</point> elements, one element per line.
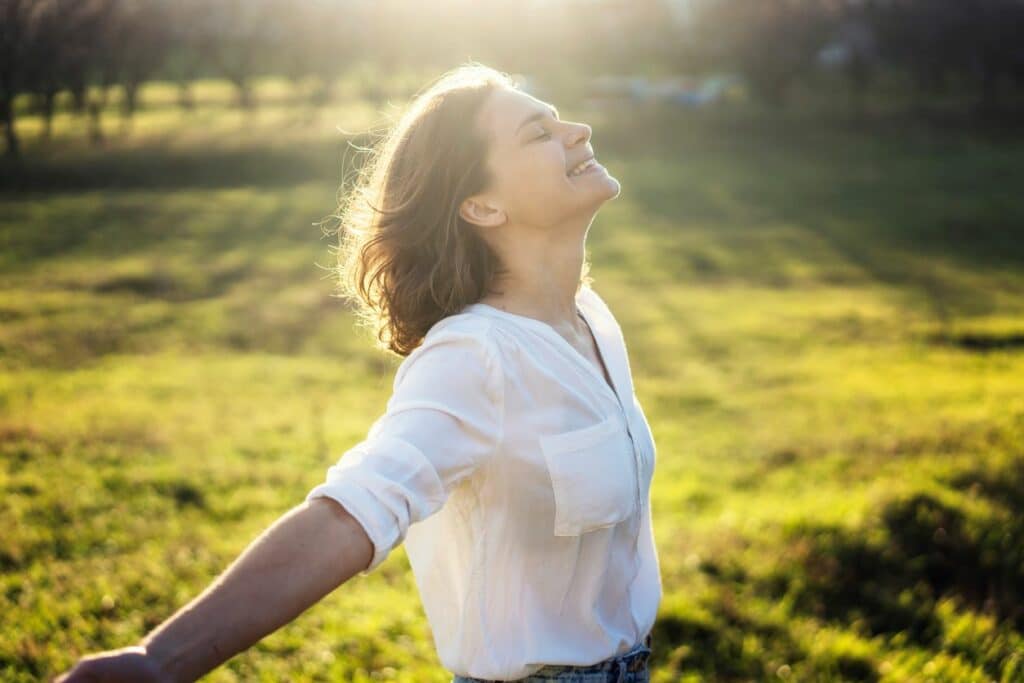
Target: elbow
<point>344,534</point>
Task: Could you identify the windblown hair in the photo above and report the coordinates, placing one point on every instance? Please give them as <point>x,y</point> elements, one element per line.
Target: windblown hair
<point>406,258</point>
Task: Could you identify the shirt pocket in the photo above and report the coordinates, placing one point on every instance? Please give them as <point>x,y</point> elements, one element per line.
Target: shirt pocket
<point>592,473</point>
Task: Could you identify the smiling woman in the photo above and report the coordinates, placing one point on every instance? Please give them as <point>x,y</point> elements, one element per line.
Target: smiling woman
<point>513,458</point>
<point>421,233</point>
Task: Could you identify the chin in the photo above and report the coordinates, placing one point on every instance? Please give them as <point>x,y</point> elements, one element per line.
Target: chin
<point>594,196</point>
<point>613,188</point>
<point>618,188</point>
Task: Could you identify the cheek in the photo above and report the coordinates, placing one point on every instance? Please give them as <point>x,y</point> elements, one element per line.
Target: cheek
<point>543,174</point>
<point>534,183</point>
<point>555,160</point>
<point>548,172</point>
<point>545,159</point>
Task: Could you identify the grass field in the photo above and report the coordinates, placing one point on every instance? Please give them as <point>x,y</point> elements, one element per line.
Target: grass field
<point>826,329</point>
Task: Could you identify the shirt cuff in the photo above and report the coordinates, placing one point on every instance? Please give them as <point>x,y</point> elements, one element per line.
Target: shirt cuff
<point>359,502</point>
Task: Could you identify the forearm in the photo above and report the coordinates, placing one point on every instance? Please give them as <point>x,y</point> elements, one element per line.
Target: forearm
<point>308,552</point>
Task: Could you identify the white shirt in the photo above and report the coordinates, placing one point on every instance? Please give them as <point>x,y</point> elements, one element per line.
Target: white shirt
<point>520,483</point>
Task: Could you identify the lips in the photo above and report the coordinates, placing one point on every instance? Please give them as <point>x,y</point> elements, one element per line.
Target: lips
<point>578,163</point>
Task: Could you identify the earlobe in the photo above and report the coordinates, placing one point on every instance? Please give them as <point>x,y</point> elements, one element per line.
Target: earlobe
<point>479,213</point>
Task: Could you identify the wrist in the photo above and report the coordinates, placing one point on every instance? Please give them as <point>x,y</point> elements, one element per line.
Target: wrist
<point>164,661</point>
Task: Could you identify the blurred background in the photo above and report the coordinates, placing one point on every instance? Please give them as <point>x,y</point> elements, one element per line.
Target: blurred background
<point>817,259</point>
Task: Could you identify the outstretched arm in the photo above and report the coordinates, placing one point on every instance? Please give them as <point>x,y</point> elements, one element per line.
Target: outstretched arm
<point>304,555</point>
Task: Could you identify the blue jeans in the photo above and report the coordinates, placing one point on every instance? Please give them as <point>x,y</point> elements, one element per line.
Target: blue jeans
<point>629,667</point>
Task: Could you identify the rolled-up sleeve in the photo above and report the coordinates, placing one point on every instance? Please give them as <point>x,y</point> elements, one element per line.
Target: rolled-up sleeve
<point>443,421</point>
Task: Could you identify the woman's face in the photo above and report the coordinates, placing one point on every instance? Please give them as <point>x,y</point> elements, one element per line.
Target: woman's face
<point>531,155</point>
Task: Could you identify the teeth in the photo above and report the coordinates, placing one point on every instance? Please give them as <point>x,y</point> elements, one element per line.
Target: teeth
<point>582,167</point>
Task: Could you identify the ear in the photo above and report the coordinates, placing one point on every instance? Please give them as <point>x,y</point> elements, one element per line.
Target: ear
<point>479,211</point>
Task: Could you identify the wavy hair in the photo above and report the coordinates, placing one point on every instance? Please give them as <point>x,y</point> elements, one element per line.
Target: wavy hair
<point>406,258</point>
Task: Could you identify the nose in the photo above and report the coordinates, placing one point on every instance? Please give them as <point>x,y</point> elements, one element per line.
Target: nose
<point>580,133</point>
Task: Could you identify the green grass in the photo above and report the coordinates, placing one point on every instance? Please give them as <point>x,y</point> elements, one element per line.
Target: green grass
<point>826,329</point>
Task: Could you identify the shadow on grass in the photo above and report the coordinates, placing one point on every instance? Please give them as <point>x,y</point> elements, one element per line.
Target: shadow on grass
<point>161,168</point>
<point>715,647</point>
<point>890,578</point>
<point>159,284</point>
<point>903,203</point>
<point>727,639</point>
<point>980,342</point>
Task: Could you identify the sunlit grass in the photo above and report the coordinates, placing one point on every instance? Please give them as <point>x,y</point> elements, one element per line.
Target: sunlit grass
<point>825,328</point>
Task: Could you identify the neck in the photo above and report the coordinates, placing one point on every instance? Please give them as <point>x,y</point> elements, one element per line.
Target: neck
<point>541,282</point>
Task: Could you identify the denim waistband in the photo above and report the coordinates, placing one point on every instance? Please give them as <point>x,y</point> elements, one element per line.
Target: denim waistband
<point>633,660</point>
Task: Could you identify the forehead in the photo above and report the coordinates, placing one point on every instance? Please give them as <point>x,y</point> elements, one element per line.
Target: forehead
<point>506,108</point>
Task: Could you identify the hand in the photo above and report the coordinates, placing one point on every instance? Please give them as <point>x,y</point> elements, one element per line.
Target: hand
<point>126,664</point>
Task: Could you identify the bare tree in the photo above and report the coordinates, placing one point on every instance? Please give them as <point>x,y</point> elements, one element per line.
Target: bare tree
<point>191,38</point>
<point>245,31</point>
<point>317,40</point>
<point>66,44</point>
<point>934,40</point>
<point>19,25</point>
<point>47,57</point>
<point>139,41</point>
<point>772,43</point>
<point>99,65</point>
<point>996,28</point>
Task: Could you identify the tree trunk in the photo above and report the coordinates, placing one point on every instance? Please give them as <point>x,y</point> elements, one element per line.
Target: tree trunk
<point>96,106</point>
<point>10,134</point>
<point>78,97</point>
<point>49,101</point>
<point>245,98</point>
<point>185,99</point>
<point>128,105</point>
<point>131,99</point>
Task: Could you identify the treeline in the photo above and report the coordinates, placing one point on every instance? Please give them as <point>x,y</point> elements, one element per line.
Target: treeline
<point>976,46</point>
<point>88,47</point>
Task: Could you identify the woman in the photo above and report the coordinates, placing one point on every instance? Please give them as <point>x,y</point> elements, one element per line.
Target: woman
<point>513,458</point>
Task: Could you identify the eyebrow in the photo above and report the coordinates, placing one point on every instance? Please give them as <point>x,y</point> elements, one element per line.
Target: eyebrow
<point>535,116</point>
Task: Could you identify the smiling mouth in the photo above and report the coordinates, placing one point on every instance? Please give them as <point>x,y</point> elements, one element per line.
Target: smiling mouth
<point>583,167</point>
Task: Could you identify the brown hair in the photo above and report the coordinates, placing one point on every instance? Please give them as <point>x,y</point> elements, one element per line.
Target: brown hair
<point>406,257</point>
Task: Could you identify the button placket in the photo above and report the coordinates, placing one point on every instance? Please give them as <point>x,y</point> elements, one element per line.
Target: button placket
<point>637,459</point>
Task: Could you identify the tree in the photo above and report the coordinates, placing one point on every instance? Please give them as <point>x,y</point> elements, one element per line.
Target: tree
<point>46,45</point>
<point>138,38</point>
<point>190,44</point>
<point>934,40</point>
<point>51,53</point>
<point>246,32</point>
<point>772,43</point>
<point>317,40</point>
<point>19,26</point>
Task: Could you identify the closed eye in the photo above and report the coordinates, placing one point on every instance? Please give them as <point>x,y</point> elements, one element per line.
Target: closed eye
<point>543,137</point>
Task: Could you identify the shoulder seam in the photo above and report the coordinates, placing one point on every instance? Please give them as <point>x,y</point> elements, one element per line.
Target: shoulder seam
<point>493,355</point>
<point>490,349</point>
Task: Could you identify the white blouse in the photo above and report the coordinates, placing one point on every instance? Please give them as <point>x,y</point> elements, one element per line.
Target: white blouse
<point>520,483</point>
